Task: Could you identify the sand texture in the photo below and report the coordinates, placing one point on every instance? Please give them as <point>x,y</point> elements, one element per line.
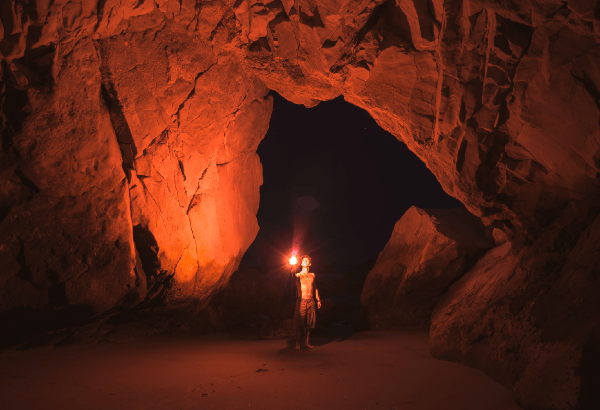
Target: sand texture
<point>368,370</point>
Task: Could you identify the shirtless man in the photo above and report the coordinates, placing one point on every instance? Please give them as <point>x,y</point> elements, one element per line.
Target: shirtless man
<point>305,316</point>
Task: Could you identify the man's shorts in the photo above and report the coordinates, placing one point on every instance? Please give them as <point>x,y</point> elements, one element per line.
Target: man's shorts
<point>306,313</point>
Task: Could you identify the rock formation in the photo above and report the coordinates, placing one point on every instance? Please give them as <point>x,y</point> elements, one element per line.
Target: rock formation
<point>130,166</point>
<point>472,87</point>
<point>129,175</point>
<point>428,251</point>
<point>527,315</point>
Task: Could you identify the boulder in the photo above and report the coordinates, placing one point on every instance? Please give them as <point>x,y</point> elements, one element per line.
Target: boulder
<point>429,250</point>
<point>129,166</point>
<point>66,247</point>
<point>527,315</point>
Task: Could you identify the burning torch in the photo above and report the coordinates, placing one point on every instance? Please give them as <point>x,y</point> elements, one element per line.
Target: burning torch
<point>293,260</point>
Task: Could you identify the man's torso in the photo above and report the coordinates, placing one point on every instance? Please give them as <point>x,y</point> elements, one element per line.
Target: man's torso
<point>306,284</point>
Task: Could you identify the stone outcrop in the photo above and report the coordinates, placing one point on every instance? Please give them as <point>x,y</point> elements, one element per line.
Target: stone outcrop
<point>429,250</point>
<point>527,315</point>
<point>483,92</point>
<point>129,176</point>
<point>130,167</point>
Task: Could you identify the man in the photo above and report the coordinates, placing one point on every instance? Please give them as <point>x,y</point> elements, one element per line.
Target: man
<point>305,316</point>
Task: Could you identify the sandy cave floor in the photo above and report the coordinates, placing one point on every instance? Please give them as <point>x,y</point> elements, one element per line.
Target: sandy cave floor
<point>368,370</point>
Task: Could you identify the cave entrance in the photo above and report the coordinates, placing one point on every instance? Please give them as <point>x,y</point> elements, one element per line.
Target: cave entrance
<point>358,180</point>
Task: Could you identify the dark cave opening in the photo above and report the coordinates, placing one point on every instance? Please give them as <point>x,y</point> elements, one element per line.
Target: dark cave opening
<point>362,178</point>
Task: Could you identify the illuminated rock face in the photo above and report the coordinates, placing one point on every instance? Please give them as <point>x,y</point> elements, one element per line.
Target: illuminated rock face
<point>429,250</point>
<point>129,163</point>
<point>129,175</point>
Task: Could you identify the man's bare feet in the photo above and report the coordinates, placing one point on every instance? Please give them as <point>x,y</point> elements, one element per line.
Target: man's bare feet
<point>308,346</point>
<point>297,346</point>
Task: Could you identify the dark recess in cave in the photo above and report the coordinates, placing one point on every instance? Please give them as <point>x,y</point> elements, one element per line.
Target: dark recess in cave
<point>363,178</point>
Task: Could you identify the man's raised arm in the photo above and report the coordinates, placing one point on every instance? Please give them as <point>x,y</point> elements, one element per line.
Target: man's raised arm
<point>294,270</point>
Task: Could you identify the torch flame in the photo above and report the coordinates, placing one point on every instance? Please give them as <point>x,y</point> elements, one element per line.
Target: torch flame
<point>293,260</point>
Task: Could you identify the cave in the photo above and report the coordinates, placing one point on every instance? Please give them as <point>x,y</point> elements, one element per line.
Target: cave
<point>357,180</point>
<point>130,180</point>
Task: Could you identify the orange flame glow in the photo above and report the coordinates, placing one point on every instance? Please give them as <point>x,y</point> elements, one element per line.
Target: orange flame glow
<point>293,260</point>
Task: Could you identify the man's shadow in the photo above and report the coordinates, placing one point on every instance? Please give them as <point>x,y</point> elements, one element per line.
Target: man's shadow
<point>321,336</point>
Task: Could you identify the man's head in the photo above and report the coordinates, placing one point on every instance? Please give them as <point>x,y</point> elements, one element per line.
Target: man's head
<point>306,261</point>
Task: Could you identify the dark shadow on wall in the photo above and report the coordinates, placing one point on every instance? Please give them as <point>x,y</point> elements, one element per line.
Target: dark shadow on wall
<point>33,326</point>
<point>590,376</point>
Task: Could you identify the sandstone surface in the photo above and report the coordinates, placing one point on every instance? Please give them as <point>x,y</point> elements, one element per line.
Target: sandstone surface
<point>129,177</point>
<point>528,316</point>
<point>130,168</point>
<point>429,250</point>
<point>483,92</point>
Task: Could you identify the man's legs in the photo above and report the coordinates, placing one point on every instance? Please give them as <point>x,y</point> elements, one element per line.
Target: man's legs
<point>307,334</point>
<point>298,337</point>
<point>310,321</point>
<point>298,323</point>
<point>306,316</point>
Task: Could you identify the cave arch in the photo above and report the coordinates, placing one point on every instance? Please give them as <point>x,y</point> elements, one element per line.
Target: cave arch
<point>361,178</point>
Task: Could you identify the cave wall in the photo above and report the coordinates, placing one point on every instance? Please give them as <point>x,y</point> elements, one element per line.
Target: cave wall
<point>527,314</point>
<point>499,99</point>
<point>129,173</point>
<point>129,161</point>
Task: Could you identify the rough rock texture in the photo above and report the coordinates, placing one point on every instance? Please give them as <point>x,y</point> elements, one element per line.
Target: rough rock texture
<point>484,92</point>
<point>528,316</point>
<point>130,169</point>
<point>429,250</point>
<point>64,198</point>
<point>500,100</point>
<point>129,176</point>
